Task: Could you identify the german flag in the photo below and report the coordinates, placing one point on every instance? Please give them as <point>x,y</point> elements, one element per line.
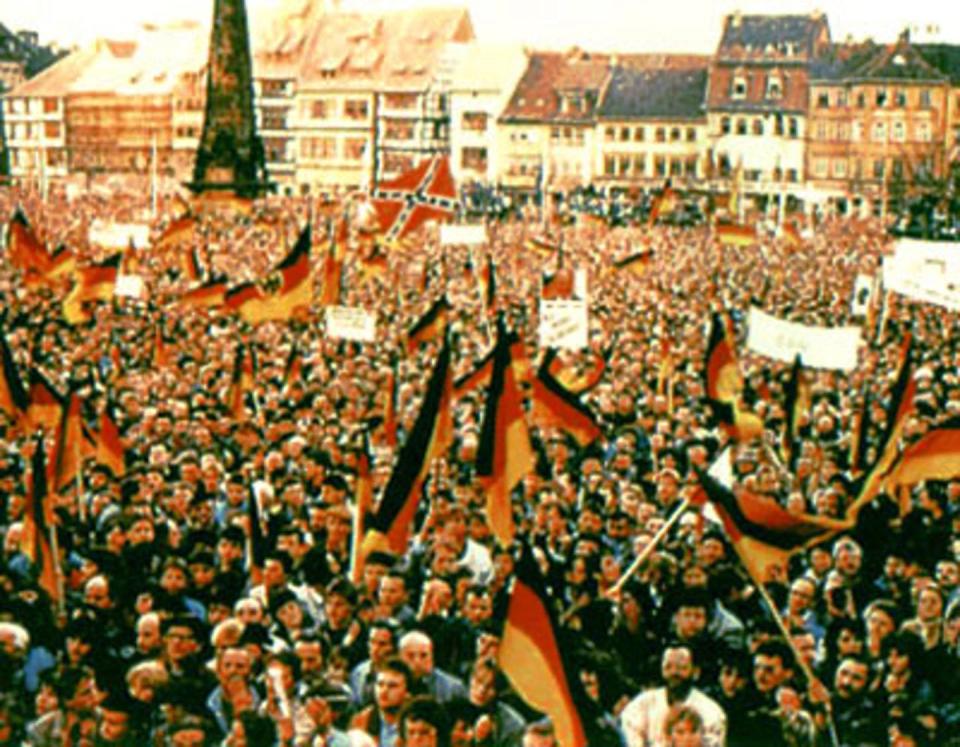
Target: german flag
<point>45,402</point>
<point>38,523</point>
<point>936,456</point>
<point>293,367</point>
<point>664,204</point>
<point>542,245</point>
<point>282,294</point>
<point>531,655</point>
<point>332,277</point>
<point>636,264</point>
<point>555,407</point>
<point>190,267</point>
<point>432,434</point>
<point>239,296</point>
<point>860,438</point>
<point>110,452</point>
<point>211,294</point>
<point>363,503</point>
<point>763,533</point>
<point>93,283</point>
<point>430,326</point>
<point>791,234</point>
<point>721,371</point>
<point>796,403</point>
<point>70,447</point>
<point>24,249</point>
<point>519,360</point>
<point>373,265</point>
<point>13,397</point>
<point>243,380</point>
<point>504,455</point>
<point>580,380</point>
<point>488,283</point>
<point>63,262</point>
<point>736,235</point>
<point>390,407</point>
<point>179,229</point>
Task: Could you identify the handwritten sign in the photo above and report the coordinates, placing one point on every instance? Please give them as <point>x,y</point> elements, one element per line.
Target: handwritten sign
<point>119,235</point>
<point>564,324</point>
<point>924,277</point>
<point>819,347</point>
<point>351,323</point>
<point>862,294</point>
<point>463,234</point>
<point>129,286</point>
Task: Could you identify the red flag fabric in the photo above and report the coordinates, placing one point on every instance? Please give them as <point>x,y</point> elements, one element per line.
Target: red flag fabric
<point>426,192</point>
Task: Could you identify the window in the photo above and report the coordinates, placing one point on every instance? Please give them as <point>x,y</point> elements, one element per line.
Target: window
<point>897,170</point>
<point>792,175</point>
<point>739,88</point>
<point>725,125</point>
<point>275,149</point>
<point>774,87</point>
<point>640,165</point>
<point>623,165</point>
<point>661,135</point>
<point>841,98</point>
<point>843,132</point>
<point>676,167</point>
<point>881,97</point>
<point>51,130</point>
<point>554,133</point>
<point>624,134</point>
<point>398,129</point>
<point>355,109</point>
<point>823,101</point>
<point>273,88</point>
<point>778,124</point>
<point>400,101</point>
<point>274,118</point>
<point>794,127</point>
<point>861,100</point>
<point>609,165</point>
<point>821,131</point>
<point>610,133</point>
<point>898,134</point>
<point>318,148</point>
<point>659,166</point>
<point>474,158</point>
<point>354,148</point>
<point>820,167</point>
<point>741,127</point>
<point>923,132</point>
<point>638,134</point>
<point>758,127</point>
<point>840,168</point>
<point>879,134</point>
<point>690,166</point>
<point>475,121</point>
<point>878,168</point>
<point>925,98</point>
<point>675,135</point>
<point>51,106</point>
<point>900,97</point>
<point>856,132</point>
<point>319,109</point>
<point>691,134</point>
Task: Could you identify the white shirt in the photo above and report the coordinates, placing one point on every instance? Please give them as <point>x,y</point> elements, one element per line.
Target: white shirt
<point>644,719</point>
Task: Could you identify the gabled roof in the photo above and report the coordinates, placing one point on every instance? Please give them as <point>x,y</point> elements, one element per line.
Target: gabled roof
<point>900,61</point>
<point>397,49</point>
<point>548,75</point>
<point>35,58</point>
<point>655,94</point>
<point>770,36</point>
<point>58,79</point>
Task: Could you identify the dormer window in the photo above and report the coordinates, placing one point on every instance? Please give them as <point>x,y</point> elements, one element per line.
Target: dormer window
<point>774,87</point>
<point>739,88</point>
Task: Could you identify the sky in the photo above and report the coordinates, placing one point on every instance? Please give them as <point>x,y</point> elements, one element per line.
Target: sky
<point>598,25</point>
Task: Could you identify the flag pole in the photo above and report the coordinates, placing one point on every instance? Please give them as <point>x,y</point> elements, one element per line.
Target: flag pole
<point>804,667</point>
<point>78,481</point>
<point>483,299</point>
<point>614,590</point>
<point>57,571</point>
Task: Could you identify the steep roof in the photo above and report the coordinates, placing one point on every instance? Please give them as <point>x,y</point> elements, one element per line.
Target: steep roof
<point>944,57</point>
<point>548,74</point>
<point>398,49</point>
<point>58,79</point>
<point>35,58</point>
<point>655,94</point>
<point>900,61</point>
<point>772,36</point>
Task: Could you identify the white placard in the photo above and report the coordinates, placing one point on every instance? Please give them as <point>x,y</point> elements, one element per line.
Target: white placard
<point>862,291</point>
<point>351,323</point>
<point>833,348</point>
<point>463,234</point>
<point>580,289</point>
<point>129,286</point>
<point>119,235</point>
<point>924,277</point>
<point>917,249</point>
<point>564,324</point>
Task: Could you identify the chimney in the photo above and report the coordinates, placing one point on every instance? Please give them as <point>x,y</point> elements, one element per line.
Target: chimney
<point>736,18</point>
<point>904,36</point>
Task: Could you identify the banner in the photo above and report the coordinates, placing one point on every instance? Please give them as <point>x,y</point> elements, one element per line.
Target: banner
<point>119,235</point>
<point>564,324</point>
<point>925,275</point>
<point>819,347</point>
<point>918,249</point>
<point>862,290</point>
<point>129,286</point>
<point>463,234</point>
<point>351,323</point>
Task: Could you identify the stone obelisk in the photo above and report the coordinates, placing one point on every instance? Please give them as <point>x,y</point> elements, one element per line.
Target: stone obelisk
<point>230,157</point>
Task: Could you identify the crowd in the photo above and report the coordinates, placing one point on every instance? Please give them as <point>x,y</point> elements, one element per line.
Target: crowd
<point>164,635</point>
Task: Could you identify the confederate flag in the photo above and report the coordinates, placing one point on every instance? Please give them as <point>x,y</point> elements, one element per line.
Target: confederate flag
<point>424,193</point>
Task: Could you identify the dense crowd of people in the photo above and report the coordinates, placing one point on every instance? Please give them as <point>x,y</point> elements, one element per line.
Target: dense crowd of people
<point>165,636</point>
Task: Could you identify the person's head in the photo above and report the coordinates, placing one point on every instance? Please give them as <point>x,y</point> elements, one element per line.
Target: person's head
<point>392,686</point>
<point>323,702</point>
<point>772,666</point>
<point>881,618</point>
<point>850,680</point>
<point>181,638</point>
<point>539,734</point>
<point>905,651</point>
<point>232,664</point>
<point>381,641</point>
<point>483,683</point>
<point>149,640</point>
<point>250,729</point>
<point>392,591</point>
<point>249,611</point>
<point>416,649</point>
<point>847,557</point>
<point>423,723</point>
<point>802,595</point>
<point>311,650</point>
<point>96,593</point>
<point>678,670</point>
<point>684,727</point>
<point>929,603</point>
<point>692,614</point>
<point>191,731</point>
<point>478,606</point>
<point>145,679</point>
